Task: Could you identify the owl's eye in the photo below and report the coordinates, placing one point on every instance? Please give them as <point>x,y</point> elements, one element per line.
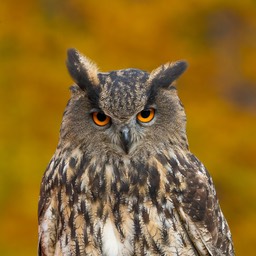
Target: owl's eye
<point>146,115</point>
<point>100,118</point>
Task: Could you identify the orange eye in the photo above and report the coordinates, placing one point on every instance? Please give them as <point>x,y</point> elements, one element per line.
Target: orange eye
<point>146,115</point>
<point>100,118</point>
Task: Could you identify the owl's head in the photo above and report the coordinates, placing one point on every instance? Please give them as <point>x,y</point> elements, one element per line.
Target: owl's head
<point>123,112</point>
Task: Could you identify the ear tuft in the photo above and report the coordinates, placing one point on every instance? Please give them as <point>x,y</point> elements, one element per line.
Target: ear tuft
<point>166,74</point>
<point>83,71</point>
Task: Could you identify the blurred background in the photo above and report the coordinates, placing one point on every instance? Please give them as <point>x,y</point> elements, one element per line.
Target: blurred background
<point>216,37</point>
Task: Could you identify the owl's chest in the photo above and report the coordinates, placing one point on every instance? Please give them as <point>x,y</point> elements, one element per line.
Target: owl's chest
<point>125,227</point>
<point>121,211</point>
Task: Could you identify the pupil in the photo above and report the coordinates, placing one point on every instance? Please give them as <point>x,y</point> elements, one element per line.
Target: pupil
<point>145,113</point>
<point>101,117</point>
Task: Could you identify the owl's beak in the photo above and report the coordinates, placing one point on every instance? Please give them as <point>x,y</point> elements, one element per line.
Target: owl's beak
<point>125,138</point>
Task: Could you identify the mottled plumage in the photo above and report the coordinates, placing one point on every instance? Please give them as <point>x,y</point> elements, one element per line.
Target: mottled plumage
<point>121,183</point>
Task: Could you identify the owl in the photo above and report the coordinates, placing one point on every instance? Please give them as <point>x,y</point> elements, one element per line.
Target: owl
<point>122,180</point>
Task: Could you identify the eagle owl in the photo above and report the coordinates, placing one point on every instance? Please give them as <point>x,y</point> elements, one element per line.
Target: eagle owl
<point>122,180</point>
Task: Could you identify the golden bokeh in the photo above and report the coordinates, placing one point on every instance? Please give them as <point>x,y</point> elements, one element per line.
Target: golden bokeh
<point>216,37</point>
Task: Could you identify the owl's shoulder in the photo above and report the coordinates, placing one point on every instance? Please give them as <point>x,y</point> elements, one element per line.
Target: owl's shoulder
<point>198,207</point>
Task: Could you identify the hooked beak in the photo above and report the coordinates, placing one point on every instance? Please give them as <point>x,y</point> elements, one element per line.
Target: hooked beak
<point>125,138</point>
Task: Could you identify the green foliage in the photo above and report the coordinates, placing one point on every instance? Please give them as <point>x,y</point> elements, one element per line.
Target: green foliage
<point>218,90</point>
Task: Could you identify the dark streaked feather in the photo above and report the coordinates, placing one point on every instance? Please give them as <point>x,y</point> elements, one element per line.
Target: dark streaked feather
<point>84,74</point>
<point>163,77</point>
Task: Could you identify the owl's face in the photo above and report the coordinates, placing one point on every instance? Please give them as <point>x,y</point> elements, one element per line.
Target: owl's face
<point>123,112</point>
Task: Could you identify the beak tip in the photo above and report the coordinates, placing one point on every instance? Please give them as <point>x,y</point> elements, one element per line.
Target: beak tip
<point>125,138</point>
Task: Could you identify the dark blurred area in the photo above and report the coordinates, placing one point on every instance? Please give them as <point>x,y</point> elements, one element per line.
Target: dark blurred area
<point>217,38</point>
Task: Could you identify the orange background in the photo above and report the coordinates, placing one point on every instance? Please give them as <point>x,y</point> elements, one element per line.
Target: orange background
<point>217,38</point>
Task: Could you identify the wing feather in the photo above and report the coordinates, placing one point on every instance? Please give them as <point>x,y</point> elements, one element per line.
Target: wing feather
<point>199,209</point>
<point>47,212</point>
